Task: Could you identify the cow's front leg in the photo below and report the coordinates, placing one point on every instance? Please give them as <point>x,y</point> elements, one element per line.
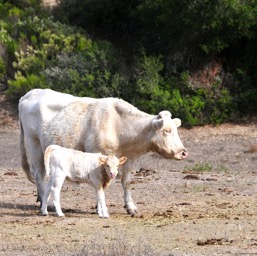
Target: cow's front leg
<point>102,209</point>
<point>129,204</point>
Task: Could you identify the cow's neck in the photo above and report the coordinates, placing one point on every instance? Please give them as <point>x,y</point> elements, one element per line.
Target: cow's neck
<point>135,136</point>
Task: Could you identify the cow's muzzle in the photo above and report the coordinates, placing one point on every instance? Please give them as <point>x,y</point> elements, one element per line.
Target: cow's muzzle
<point>183,154</point>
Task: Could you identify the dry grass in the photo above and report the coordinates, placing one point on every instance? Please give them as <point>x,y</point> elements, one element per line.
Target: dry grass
<point>8,113</point>
<point>119,246</point>
<point>5,118</point>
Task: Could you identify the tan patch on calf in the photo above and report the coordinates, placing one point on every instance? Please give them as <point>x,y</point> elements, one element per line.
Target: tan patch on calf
<point>105,179</point>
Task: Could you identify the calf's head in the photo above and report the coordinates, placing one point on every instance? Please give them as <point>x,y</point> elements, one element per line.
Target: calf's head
<point>165,139</point>
<point>111,164</point>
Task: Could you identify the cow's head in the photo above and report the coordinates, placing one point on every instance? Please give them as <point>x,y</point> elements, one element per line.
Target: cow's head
<point>165,140</point>
<point>111,164</point>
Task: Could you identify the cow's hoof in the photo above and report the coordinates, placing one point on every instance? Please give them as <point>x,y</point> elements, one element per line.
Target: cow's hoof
<point>131,209</point>
<point>60,215</point>
<point>132,212</point>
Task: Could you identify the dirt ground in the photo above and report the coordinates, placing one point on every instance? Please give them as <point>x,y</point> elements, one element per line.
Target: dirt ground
<point>205,205</point>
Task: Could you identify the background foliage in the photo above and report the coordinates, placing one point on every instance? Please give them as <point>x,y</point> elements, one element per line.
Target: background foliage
<point>194,58</point>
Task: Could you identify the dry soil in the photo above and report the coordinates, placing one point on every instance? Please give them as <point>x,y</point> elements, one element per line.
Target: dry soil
<point>205,205</point>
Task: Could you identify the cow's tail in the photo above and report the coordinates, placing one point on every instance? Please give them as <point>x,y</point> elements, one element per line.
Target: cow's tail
<point>47,157</point>
<point>24,157</point>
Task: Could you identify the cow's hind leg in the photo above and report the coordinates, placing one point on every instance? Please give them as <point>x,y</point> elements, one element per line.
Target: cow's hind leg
<point>39,174</point>
<point>46,197</point>
<point>125,179</point>
<point>37,167</point>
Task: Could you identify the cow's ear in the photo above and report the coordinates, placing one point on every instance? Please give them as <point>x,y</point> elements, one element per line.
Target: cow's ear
<point>122,160</point>
<point>157,123</point>
<point>102,160</point>
<point>177,121</point>
<point>158,120</point>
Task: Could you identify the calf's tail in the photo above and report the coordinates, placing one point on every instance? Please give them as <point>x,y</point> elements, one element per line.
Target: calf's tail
<point>24,158</point>
<point>47,157</point>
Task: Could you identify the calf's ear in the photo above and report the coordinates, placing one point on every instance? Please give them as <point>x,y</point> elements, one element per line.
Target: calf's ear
<point>177,121</point>
<point>102,160</point>
<point>122,160</point>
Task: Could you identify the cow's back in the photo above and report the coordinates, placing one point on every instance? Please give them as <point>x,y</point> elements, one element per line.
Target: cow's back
<point>91,126</point>
<point>37,108</point>
<point>82,125</point>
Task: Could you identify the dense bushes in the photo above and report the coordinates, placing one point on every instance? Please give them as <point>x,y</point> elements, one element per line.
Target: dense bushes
<point>155,54</point>
<point>43,53</point>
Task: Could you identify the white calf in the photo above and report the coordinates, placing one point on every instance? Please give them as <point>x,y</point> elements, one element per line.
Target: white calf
<point>93,168</point>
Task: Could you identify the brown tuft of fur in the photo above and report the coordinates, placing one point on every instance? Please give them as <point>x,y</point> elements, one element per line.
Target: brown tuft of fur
<point>105,179</point>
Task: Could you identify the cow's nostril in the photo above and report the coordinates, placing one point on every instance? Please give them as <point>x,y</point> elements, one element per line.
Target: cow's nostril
<point>184,153</point>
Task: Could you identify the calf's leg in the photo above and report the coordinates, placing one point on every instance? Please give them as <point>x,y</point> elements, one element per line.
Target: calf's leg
<point>102,209</point>
<point>56,187</point>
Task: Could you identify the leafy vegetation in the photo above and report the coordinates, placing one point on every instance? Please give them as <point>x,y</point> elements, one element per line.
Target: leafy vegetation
<point>196,59</point>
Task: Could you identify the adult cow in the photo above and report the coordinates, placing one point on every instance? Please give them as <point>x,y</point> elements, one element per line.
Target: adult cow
<point>108,125</point>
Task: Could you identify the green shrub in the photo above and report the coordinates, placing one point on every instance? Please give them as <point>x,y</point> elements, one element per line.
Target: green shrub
<point>87,73</point>
<point>148,84</point>
<point>248,101</point>
<point>180,69</point>
<point>47,53</point>
<point>195,105</point>
<point>22,84</point>
<point>2,69</point>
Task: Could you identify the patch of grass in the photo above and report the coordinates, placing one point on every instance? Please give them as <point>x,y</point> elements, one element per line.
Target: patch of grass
<point>199,167</point>
<point>205,167</point>
<point>222,168</point>
<point>199,188</point>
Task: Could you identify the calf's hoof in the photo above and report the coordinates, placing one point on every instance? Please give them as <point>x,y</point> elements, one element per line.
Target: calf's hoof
<point>106,216</point>
<point>103,215</point>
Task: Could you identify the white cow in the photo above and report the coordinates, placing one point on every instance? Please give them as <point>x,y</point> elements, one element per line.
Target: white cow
<point>93,168</point>
<point>108,125</point>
